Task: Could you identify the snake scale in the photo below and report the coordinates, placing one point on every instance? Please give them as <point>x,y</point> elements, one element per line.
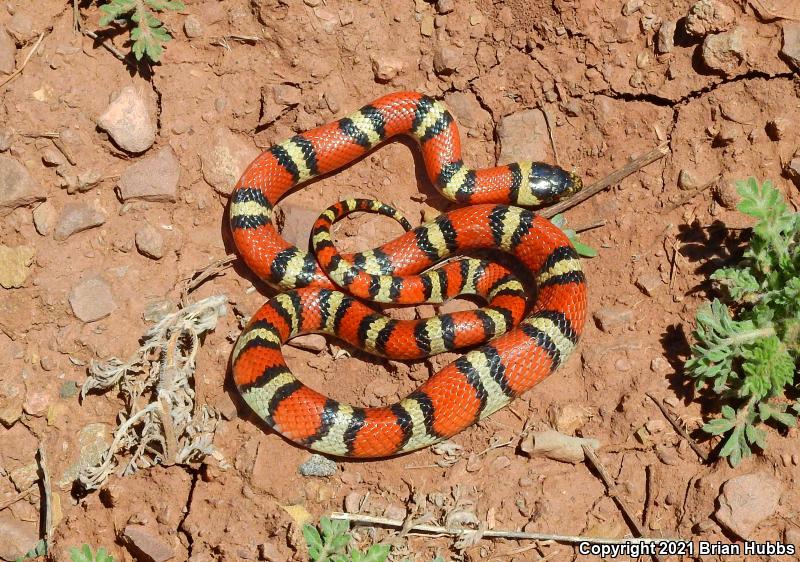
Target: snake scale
<point>521,344</point>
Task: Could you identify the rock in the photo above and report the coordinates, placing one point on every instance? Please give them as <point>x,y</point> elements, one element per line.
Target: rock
<point>270,553</point>
<point>77,217</point>
<point>446,59</point>
<point>36,404</point>
<point>523,136</point>
<point>649,283</point>
<point>16,537</point>
<point>44,217</point>
<point>317,465</point>
<point>17,186</point>
<point>52,157</point>
<point>665,38</point>
<point>93,443</point>
<point>295,223</point>
<point>791,535</point>
<point>569,418</point>
<point>724,52</point>
<point>793,170</point>
<point>11,399</point>
<point>91,299</point>
<point>426,26</point>
<point>776,128</point>
<point>154,178</point>
<point>14,265</point>
<point>145,545</point>
<point>310,342</point>
<point>287,94</point>
<point>631,7</point>
<point>192,26</point>
<point>352,502</point>
<point>613,317</point>
<point>726,194</point>
<point>5,138</point>
<point>385,67</point>
<point>467,110</point>
<point>149,242</point>
<point>225,160</point>
<point>21,27</point>
<point>746,501</point>
<point>790,48</point>
<point>709,16</point>
<point>687,180</point>
<point>8,52</point>
<point>660,366</point>
<point>129,121</point>
<point>445,6</point>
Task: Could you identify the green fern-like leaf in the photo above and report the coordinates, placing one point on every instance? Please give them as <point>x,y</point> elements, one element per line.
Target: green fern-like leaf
<point>148,34</point>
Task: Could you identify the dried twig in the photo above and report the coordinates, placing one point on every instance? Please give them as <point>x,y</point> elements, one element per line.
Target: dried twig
<point>24,63</point>
<point>489,534</point>
<point>47,499</point>
<point>611,490</point>
<point>21,496</point>
<point>104,43</point>
<point>691,195</point>
<point>679,428</point>
<point>548,121</point>
<point>590,226</point>
<point>201,275</point>
<point>613,178</point>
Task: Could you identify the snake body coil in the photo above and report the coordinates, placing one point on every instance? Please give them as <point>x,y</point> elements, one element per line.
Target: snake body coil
<point>472,387</point>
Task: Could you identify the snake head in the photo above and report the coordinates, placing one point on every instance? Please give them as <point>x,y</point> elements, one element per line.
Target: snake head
<point>547,184</point>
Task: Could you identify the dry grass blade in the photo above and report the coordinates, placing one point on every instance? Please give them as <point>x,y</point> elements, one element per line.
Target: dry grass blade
<point>24,63</point>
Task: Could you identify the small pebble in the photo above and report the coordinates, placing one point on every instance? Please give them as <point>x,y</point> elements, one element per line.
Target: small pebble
<point>150,242</point>
<point>665,38</point>
<point>129,121</point>
<point>317,465</point>
<point>91,299</point>
<point>192,26</point>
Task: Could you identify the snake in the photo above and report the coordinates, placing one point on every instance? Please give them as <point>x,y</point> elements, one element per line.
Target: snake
<point>511,344</point>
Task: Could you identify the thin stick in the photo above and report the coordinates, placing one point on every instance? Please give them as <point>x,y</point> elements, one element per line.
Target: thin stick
<point>681,431</point>
<point>550,134</point>
<point>591,226</point>
<point>24,63</point>
<point>110,48</point>
<point>21,496</point>
<point>200,276</point>
<point>513,535</point>
<point>46,496</point>
<point>692,194</point>
<point>613,178</point>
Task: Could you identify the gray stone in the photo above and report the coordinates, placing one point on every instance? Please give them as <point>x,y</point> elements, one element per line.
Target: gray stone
<point>445,6</point>
<point>149,242</point>
<point>91,299</point>
<point>446,59</point>
<point>14,265</point>
<point>709,16</point>
<point>17,186</point>
<point>790,48</point>
<point>310,342</point>
<point>631,7</point>
<point>129,121</point>
<point>154,178</point>
<point>613,317</point>
<point>793,170</point>
<point>52,157</point>
<point>523,136</point>
<point>192,26</point>
<point>77,217</point>
<point>145,545</point>
<point>225,159</point>
<point>467,110</point>
<point>746,501</point>
<point>16,537</point>
<point>385,67</point>
<point>8,52</point>
<point>287,94</point>
<point>5,138</point>
<point>44,218</point>
<point>665,38</point>
<point>649,283</point>
<point>724,52</point>
<point>317,465</point>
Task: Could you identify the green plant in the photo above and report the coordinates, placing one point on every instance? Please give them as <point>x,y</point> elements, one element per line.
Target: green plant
<point>148,33</point>
<point>85,554</point>
<point>332,545</point>
<point>39,549</point>
<point>750,358</point>
<point>583,250</point>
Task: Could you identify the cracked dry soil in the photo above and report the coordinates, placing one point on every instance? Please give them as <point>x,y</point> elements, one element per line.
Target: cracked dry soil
<point>611,91</point>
